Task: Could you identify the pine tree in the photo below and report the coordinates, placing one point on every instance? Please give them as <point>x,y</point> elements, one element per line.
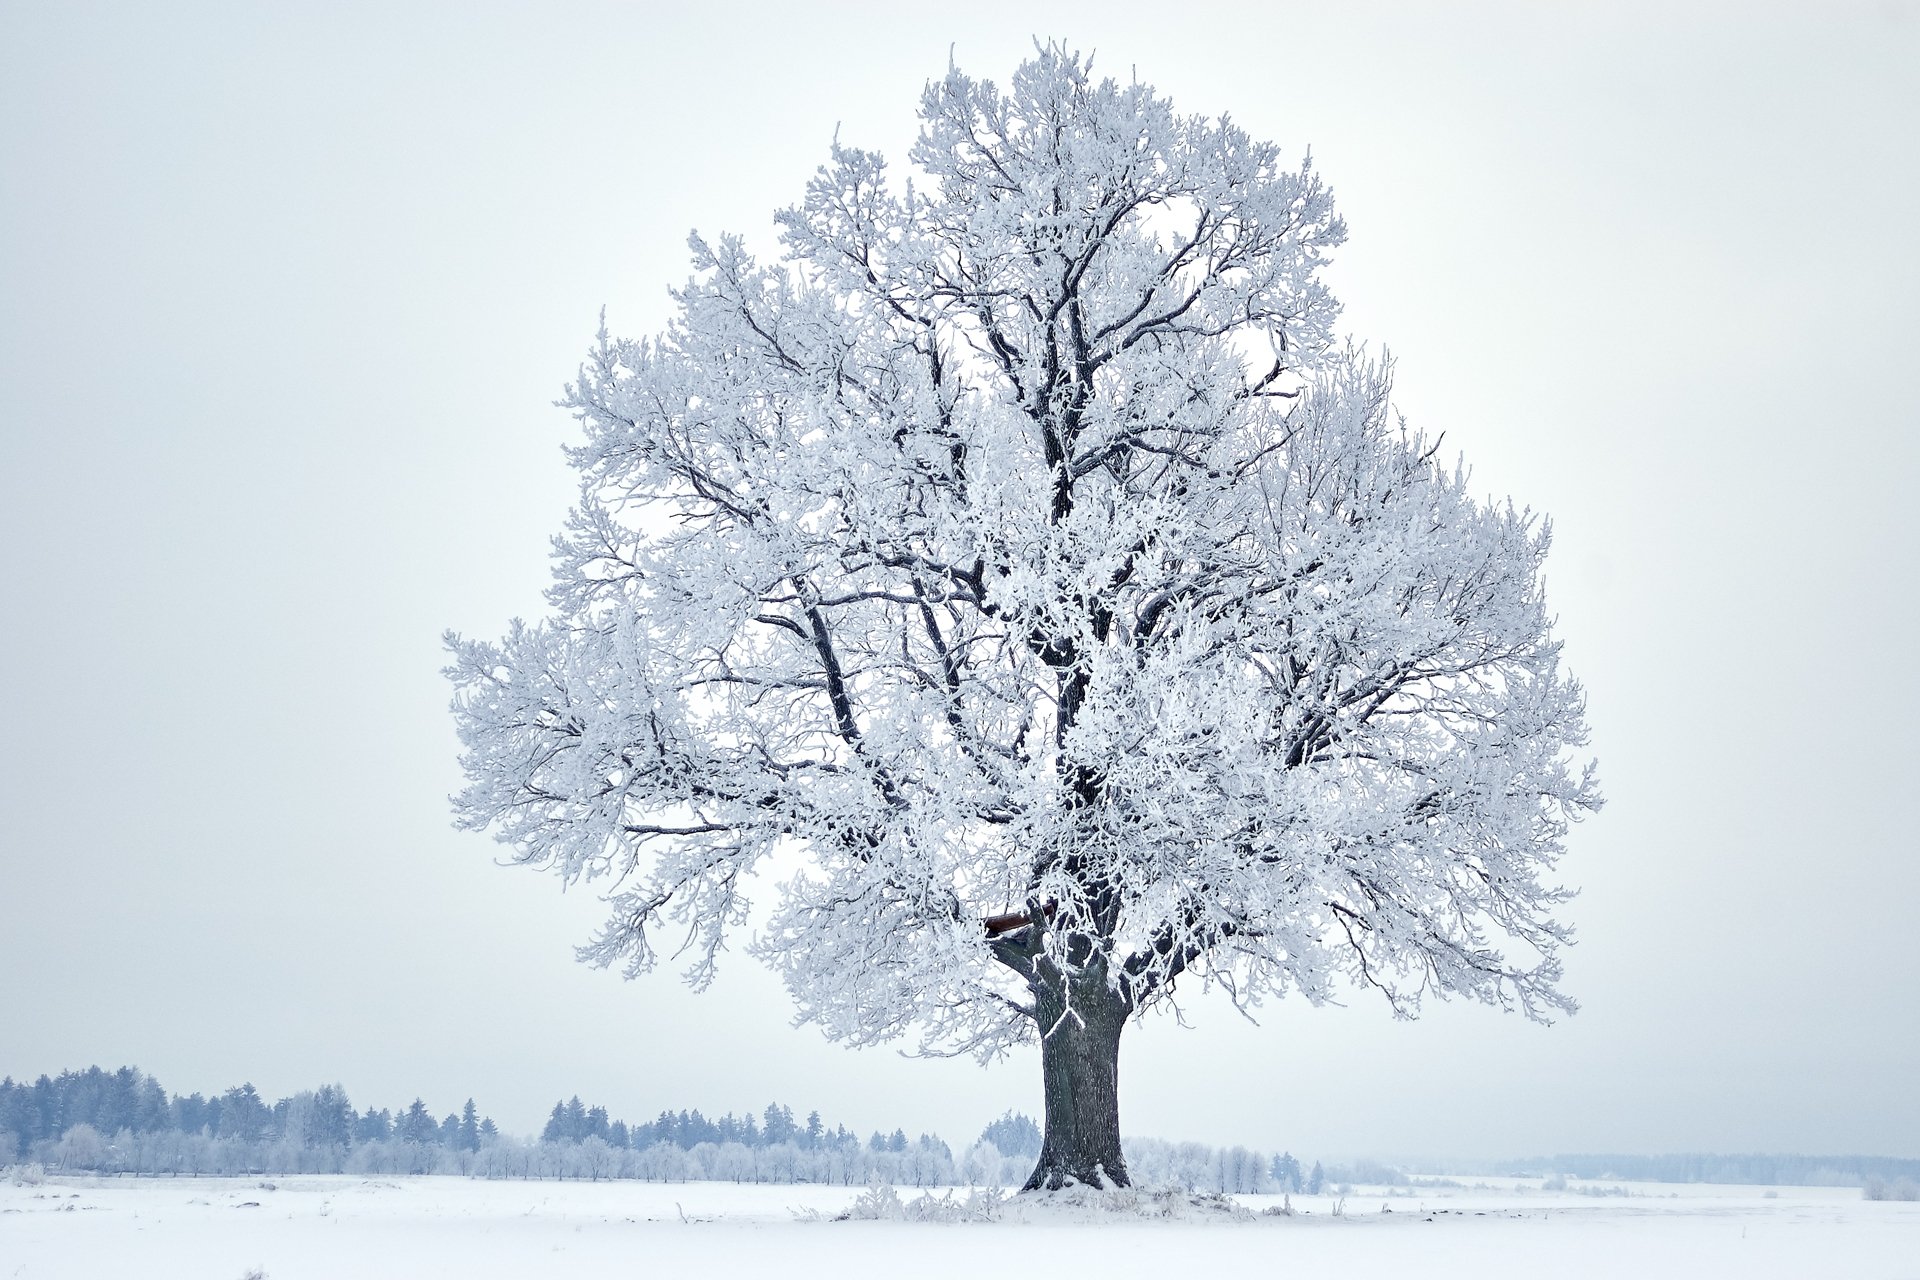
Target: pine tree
<point>778,1124</point>
<point>373,1126</point>
<point>329,1120</point>
<point>243,1115</point>
<point>416,1125</point>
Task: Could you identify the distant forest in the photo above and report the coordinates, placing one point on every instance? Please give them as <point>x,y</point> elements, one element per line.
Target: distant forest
<point>123,1121</point>
<point>1792,1171</point>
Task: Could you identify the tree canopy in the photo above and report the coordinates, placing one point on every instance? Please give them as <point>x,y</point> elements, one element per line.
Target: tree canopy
<point>1023,541</point>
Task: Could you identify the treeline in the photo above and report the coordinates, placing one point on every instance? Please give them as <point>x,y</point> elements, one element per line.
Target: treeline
<point>1762,1170</point>
<point>125,1122</point>
<point>686,1146</point>
<point>571,1121</point>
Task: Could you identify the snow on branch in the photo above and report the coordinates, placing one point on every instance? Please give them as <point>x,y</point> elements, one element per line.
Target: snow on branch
<point>1024,536</point>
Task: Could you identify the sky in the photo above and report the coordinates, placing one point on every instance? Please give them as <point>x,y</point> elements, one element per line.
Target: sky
<point>287,293</point>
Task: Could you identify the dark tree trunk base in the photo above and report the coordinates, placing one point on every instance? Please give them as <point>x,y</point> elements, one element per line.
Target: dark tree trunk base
<point>1080,1068</point>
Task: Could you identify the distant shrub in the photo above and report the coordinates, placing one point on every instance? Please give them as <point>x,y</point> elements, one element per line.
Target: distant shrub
<point>26,1175</point>
<point>1369,1173</point>
<point>1900,1189</point>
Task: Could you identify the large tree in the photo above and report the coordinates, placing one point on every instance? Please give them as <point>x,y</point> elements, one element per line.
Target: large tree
<point>1022,575</point>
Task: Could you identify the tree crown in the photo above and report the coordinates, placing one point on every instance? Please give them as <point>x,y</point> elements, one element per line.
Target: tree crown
<point>1023,543</point>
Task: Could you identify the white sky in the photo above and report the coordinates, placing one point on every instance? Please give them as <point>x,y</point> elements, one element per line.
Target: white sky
<point>284,301</point>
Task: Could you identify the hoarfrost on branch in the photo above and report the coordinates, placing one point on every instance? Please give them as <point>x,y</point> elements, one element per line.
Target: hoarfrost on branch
<point>1024,540</point>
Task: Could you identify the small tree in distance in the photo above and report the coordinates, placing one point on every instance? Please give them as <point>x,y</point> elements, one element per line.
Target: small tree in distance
<point>1013,1135</point>
<point>1024,553</point>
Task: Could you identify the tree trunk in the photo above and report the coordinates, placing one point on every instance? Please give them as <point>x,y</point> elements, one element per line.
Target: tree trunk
<point>1080,1022</point>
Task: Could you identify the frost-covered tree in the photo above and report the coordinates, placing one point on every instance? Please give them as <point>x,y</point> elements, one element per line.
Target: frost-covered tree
<point>243,1114</point>
<point>1014,1135</point>
<point>374,1126</point>
<point>416,1125</point>
<point>1022,572</point>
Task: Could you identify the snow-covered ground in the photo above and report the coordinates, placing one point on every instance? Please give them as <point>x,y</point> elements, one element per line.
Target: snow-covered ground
<point>295,1228</point>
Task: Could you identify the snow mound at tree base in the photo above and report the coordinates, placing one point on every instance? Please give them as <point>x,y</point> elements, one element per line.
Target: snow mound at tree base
<point>1083,1203</point>
<point>1074,1203</point>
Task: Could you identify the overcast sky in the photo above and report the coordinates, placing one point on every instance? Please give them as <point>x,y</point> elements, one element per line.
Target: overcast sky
<point>285,298</point>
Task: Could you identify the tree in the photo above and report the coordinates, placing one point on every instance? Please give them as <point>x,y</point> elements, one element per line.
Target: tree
<point>81,1147</point>
<point>374,1126</point>
<point>243,1114</point>
<point>329,1122</point>
<point>1014,1135</point>
<point>1023,549</point>
<point>556,1127</point>
<point>416,1125</point>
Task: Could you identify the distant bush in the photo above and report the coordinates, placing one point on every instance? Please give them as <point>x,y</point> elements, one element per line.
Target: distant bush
<point>1369,1173</point>
<point>1899,1189</point>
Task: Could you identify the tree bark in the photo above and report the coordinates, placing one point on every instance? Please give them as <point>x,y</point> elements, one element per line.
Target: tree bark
<point>1080,1022</point>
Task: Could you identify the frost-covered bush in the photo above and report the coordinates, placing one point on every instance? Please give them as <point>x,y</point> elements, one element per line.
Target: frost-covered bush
<point>878,1202</point>
<point>882,1203</point>
<point>26,1175</point>
<point>1899,1189</point>
<point>979,1205</point>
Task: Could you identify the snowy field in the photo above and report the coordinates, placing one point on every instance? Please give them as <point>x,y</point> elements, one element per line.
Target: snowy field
<point>301,1228</point>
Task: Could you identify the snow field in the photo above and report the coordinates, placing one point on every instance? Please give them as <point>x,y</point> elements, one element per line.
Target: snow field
<point>313,1228</point>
